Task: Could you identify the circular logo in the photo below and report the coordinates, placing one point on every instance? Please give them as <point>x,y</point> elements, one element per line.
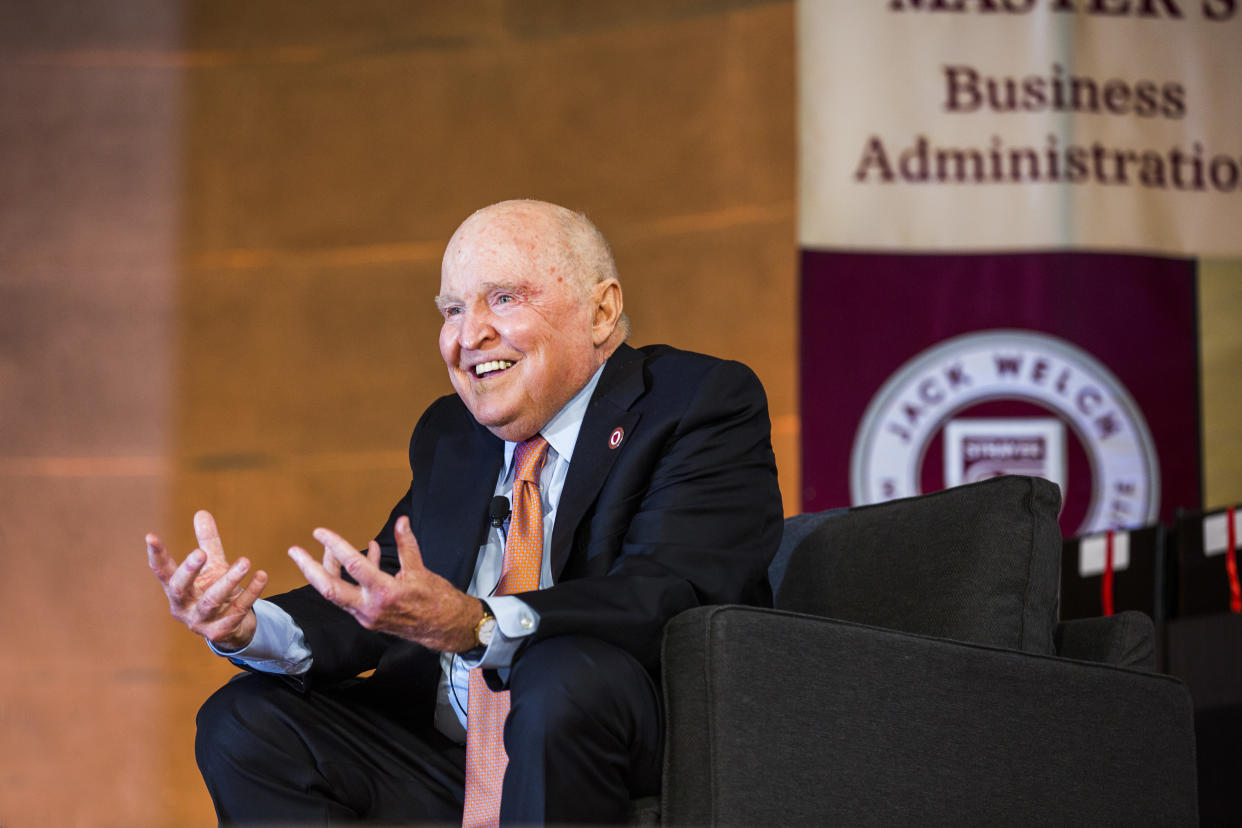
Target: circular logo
<point>1010,402</point>
<point>614,439</point>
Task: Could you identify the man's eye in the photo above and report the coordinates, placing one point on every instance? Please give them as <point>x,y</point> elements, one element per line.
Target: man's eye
<point>504,298</point>
<point>451,311</point>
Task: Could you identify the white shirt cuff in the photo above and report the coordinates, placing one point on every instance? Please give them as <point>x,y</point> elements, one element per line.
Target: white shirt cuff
<point>515,620</point>
<point>278,646</point>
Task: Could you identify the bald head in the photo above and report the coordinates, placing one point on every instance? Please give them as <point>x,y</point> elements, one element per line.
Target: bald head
<point>567,239</point>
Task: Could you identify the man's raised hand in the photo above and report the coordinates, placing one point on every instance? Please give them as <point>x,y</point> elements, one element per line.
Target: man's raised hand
<point>205,592</point>
<point>415,604</point>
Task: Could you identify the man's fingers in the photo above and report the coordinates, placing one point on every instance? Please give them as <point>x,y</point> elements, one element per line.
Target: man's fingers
<point>410,555</point>
<point>331,564</point>
<point>183,578</point>
<point>159,560</point>
<point>252,592</point>
<point>208,535</point>
<point>374,554</point>
<point>224,590</point>
<point>339,592</point>
<point>356,564</point>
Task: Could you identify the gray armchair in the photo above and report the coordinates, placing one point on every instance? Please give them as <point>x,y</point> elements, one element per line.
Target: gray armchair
<point>914,673</point>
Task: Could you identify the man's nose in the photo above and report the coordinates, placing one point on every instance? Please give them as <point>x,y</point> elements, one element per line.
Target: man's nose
<point>476,329</point>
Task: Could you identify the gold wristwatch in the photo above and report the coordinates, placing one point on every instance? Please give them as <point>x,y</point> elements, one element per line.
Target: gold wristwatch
<point>486,628</point>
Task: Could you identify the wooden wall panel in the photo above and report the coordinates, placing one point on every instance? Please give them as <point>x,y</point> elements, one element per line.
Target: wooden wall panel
<point>90,137</point>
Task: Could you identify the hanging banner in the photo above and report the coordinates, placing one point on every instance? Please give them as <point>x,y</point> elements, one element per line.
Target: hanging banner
<point>1003,205</point>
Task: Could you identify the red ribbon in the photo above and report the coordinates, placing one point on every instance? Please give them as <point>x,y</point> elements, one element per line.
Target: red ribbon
<point>1106,583</point>
<point>1231,562</point>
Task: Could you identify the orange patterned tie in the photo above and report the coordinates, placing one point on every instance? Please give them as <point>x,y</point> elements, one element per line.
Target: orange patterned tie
<point>486,710</point>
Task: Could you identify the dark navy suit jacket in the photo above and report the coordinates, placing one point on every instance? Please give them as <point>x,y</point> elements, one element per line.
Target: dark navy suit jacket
<point>684,511</point>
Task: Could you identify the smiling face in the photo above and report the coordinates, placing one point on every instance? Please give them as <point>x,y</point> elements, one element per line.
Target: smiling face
<point>524,326</point>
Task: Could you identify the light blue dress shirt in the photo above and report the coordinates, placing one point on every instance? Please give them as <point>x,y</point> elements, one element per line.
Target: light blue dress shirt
<point>279,645</point>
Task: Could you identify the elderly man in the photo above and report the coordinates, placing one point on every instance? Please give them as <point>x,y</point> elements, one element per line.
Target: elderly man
<point>571,497</point>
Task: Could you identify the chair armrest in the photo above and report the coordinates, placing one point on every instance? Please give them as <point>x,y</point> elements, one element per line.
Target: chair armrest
<point>783,718</point>
<point>1127,639</point>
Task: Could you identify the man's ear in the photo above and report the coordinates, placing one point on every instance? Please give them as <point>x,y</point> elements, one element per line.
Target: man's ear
<point>606,304</point>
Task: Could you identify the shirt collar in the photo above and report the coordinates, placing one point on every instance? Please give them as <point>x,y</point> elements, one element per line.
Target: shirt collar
<point>561,432</point>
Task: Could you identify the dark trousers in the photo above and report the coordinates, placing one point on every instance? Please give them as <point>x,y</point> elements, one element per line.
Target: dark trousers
<point>584,737</point>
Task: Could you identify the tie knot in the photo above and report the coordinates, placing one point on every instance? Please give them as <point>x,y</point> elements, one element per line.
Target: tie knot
<point>529,456</point>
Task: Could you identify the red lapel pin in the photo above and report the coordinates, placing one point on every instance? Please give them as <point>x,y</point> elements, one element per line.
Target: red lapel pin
<point>614,439</point>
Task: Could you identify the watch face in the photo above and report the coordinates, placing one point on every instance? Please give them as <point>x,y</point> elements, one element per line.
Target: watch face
<point>487,628</point>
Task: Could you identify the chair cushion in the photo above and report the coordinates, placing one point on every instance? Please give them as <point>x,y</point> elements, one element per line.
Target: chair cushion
<point>978,563</point>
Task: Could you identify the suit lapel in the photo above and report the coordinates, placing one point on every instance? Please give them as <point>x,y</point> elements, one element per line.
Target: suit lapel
<point>459,489</point>
<point>621,384</point>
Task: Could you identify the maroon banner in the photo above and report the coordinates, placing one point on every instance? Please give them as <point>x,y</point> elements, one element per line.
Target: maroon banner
<point>924,371</point>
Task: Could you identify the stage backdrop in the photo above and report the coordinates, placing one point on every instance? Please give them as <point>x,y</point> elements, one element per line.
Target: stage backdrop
<point>1003,207</point>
